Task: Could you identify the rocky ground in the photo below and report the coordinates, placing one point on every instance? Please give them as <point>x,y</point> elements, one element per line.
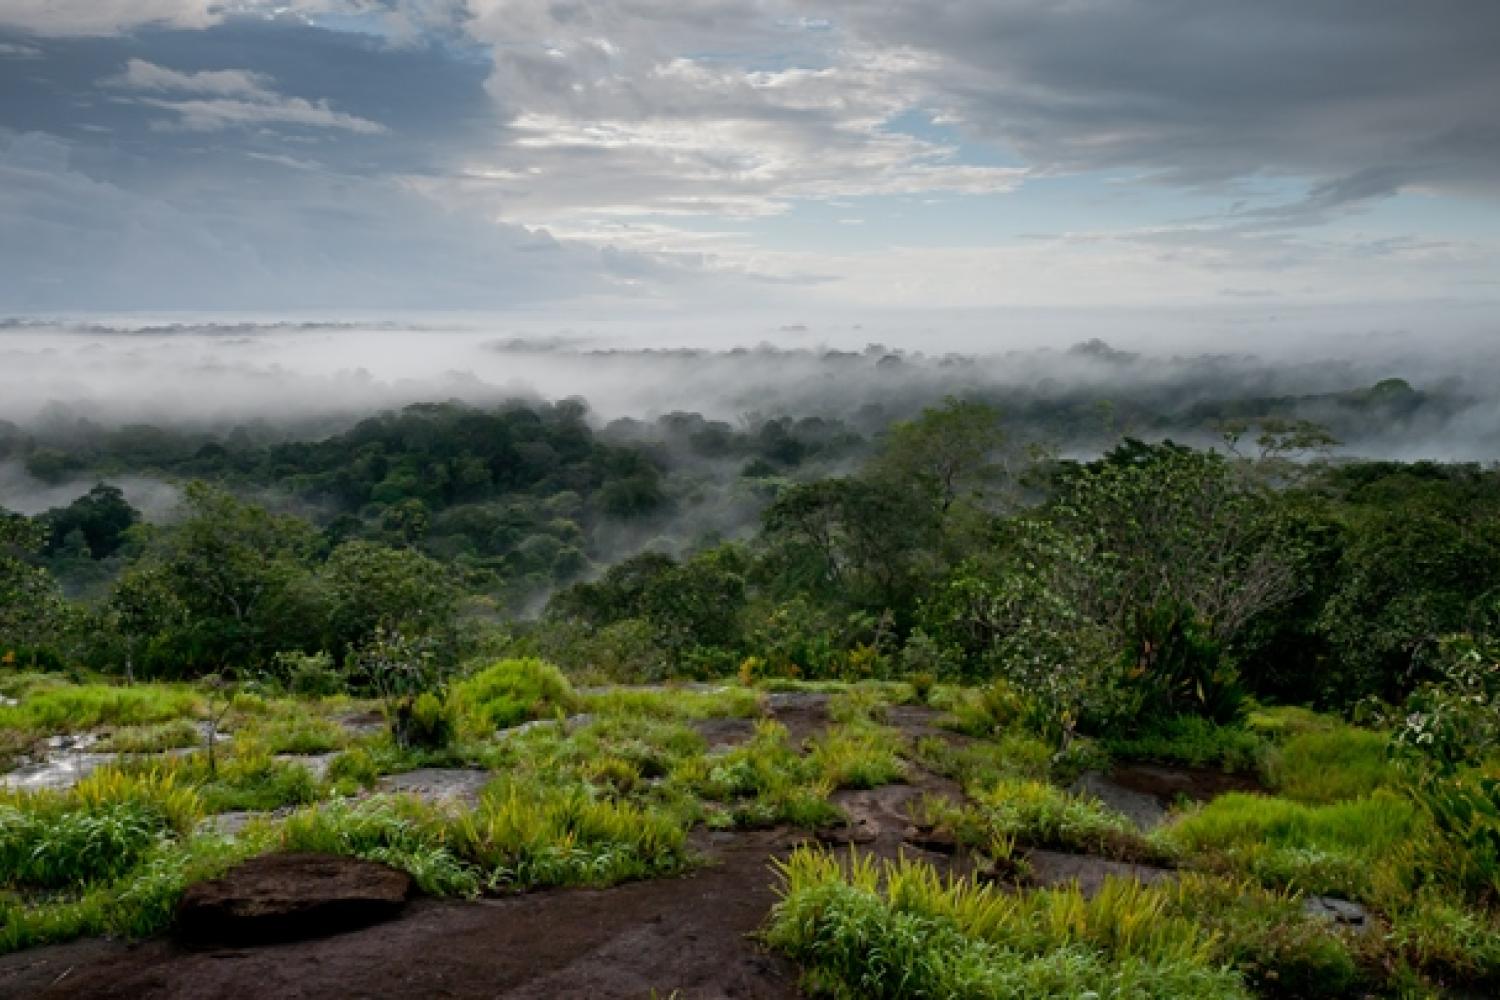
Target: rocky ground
<point>347,929</point>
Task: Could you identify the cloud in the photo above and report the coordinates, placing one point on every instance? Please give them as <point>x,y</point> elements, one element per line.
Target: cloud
<point>232,97</point>
<point>639,107</point>
<point>142,75</point>
<point>1205,92</point>
<point>104,17</point>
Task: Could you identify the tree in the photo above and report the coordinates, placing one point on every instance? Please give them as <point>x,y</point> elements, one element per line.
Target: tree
<point>233,572</point>
<point>32,611</point>
<point>947,452</point>
<point>371,586</point>
<point>101,517</point>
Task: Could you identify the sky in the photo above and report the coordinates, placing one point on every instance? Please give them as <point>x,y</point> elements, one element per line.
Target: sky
<point>787,165</point>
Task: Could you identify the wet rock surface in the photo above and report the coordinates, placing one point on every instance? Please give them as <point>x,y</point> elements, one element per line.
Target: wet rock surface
<point>1169,783</point>
<point>804,714</point>
<point>725,734</point>
<point>1145,811</point>
<point>1054,868</point>
<point>290,897</point>
<point>1342,912</point>
<point>63,762</point>
<point>439,784</point>
<point>316,763</point>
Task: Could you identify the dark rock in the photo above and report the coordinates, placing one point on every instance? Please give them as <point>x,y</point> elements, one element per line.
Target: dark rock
<point>290,897</point>
<point>1051,868</point>
<point>938,840</point>
<point>1145,811</point>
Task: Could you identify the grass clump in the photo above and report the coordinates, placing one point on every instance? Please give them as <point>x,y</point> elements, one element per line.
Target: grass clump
<point>71,708</point>
<point>863,929</point>
<point>857,756</point>
<point>172,735</point>
<point>300,734</point>
<point>96,831</point>
<point>1196,742</point>
<point>399,831</point>
<point>761,783</point>
<point>1266,935</point>
<point>1322,765</point>
<point>1330,848</point>
<point>983,764</point>
<point>1042,815</point>
<point>525,835</point>
<point>510,692</point>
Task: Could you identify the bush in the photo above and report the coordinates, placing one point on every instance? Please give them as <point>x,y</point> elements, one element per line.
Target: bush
<point>512,691</point>
<point>313,676</point>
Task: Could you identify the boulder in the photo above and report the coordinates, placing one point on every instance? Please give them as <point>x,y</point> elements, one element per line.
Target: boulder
<point>290,897</point>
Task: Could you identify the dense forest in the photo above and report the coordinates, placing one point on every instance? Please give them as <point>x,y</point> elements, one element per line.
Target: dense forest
<point>941,546</point>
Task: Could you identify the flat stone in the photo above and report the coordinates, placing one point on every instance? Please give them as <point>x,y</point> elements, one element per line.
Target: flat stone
<point>1145,811</point>
<point>316,763</point>
<point>1051,868</point>
<point>1343,912</point>
<point>439,784</point>
<point>290,897</point>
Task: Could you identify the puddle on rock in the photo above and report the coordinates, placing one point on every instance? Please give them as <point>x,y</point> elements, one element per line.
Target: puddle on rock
<point>60,769</point>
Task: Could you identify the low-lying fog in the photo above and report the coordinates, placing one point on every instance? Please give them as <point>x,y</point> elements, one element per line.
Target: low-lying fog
<point>315,378</point>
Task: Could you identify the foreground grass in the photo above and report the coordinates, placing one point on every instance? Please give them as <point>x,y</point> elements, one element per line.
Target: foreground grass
<point>861,929</point>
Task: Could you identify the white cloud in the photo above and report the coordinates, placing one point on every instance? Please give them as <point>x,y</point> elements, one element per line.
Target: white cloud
<point>231,97</point>
<point>142,75</point>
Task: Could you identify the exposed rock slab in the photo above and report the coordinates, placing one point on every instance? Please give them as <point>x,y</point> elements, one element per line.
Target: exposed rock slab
<point>1342,912</point>
<point>1052,868</point>
<point>1144,810</point>
<point>290,897</point>
<point>439,784</point>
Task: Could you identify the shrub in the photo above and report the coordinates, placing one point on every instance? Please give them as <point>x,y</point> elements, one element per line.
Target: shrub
<point>857,756</point>
<point>513,691</point>
<point>353,769</point>
<point>313,676</point>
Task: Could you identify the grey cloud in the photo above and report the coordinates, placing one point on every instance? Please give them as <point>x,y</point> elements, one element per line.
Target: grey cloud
<point>1207,91</point>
